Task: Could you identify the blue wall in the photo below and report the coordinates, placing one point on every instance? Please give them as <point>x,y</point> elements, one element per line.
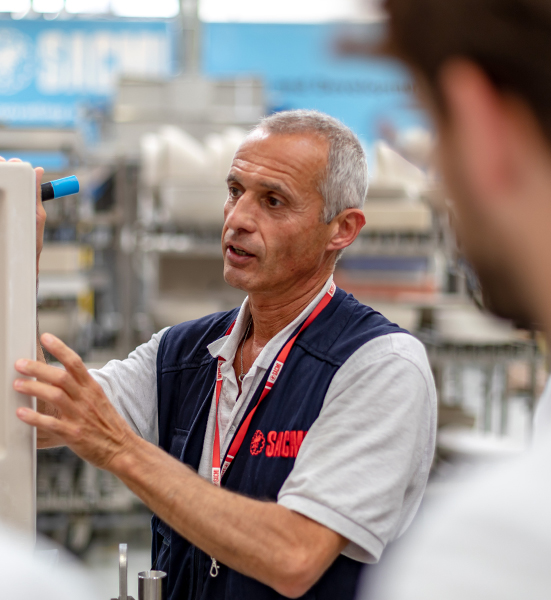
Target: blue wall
<point>301,69</point>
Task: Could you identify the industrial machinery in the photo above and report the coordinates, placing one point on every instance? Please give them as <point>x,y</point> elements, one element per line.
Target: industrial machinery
<point>17,340</point>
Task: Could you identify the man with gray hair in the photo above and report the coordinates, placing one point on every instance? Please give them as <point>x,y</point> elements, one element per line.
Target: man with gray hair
<point>282,444</point>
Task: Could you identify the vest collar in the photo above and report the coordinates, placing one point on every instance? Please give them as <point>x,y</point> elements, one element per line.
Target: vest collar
<point>227,346</point>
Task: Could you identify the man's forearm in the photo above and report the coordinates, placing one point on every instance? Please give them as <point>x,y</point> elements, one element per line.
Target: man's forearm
<point>260,539</point>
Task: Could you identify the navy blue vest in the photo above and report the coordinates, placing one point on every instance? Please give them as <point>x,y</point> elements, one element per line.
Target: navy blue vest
<point>186,375</point>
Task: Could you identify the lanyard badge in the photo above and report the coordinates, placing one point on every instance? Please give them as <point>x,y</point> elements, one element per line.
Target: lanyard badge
<point>218,471</point>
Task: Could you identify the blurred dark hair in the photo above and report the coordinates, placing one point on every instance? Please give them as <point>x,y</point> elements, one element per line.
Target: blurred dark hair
<point>510,40</point>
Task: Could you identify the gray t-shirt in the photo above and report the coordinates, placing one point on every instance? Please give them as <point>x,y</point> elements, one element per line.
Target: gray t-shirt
<point>487,538</point>
<point>363,467</point>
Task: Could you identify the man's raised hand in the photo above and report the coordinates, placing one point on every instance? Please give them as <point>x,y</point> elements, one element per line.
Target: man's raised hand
<point>85,419</point>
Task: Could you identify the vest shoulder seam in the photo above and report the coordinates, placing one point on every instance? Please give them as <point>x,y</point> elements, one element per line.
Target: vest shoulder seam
<point>316,354</point>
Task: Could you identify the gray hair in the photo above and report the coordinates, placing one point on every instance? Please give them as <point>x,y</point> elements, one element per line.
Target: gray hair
<point>344,183</point>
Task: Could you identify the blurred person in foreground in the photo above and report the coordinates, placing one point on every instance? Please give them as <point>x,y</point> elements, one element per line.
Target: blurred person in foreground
<point>322,411</point>
<point>28,574</point>
<point>484,70</point>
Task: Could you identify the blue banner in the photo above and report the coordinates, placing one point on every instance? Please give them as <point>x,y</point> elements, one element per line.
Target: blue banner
<point>50,70</point>
<point>302,69</point>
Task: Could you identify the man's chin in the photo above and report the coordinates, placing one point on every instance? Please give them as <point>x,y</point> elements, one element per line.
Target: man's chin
<point>505,304</point>
<point>515,313</point>
<point>237,278</point>
<point>497,291</point>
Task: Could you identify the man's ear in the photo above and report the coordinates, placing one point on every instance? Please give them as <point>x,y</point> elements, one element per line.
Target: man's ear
<point>345,226</point>
<point>481,129</point>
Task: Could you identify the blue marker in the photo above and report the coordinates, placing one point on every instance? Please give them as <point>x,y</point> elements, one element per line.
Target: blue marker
<point>59,188</point>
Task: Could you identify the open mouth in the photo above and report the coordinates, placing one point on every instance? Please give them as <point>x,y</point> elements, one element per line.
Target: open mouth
<point>240,252</point>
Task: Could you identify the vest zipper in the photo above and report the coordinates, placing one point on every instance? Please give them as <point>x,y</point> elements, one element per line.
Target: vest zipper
<point>214,567</point>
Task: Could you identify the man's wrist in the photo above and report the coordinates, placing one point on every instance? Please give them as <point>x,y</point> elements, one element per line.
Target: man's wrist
<point>132,452</point>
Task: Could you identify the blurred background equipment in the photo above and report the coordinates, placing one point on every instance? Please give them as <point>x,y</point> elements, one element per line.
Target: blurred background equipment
<point>146,103</point>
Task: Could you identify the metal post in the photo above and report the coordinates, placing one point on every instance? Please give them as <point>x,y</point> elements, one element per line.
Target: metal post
<point>191,33</point>
<point>533,366</point>
<point>504,400</point>
<point>126,202</point>
<point>488,400</point>
<point>123,573</point>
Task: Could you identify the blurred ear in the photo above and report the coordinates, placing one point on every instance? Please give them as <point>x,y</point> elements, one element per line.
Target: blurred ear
<point>345,228</point>
<point>482,130</point>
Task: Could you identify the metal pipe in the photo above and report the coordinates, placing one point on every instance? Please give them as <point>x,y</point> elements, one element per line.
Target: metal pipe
<point>191,36</point>
<point>150,585</point>
<point>123,571</point>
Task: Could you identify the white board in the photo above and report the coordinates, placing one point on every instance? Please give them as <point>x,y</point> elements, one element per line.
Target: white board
<point>17,340</point>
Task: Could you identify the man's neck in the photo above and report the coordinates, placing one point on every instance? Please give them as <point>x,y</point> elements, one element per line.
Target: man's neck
<point>271,314</point>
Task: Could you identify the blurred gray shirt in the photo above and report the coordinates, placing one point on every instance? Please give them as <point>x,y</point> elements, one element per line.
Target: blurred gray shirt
<point>489,538</point>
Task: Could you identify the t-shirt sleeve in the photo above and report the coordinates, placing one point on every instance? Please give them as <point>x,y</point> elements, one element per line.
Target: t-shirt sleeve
<point>363,466</point>
<point>131,386</point>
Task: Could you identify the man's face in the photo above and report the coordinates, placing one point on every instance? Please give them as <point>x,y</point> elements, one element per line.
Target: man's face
<point>480,239</point>
<point>274,236</point>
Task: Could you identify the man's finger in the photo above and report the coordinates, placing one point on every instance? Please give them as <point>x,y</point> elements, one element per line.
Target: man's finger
<point>39,172</point>
<point>49,393</point>
<point>54,426</point>
<point>49,374</point>
<point>67,357</point>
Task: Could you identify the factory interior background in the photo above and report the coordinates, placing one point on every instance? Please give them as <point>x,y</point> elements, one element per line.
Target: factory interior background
<point>146,102</point>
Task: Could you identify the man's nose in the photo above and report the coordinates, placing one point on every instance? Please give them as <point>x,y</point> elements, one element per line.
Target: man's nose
<point>239,214</point>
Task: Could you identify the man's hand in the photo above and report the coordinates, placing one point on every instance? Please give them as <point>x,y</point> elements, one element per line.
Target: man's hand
<point>263,540</point>
<point>40,212</point>
<point>84,418</point>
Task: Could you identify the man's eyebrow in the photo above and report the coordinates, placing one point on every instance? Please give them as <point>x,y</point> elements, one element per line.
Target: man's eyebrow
<point>275,187</point>
<point>269,185</point>
<point>232,177</point>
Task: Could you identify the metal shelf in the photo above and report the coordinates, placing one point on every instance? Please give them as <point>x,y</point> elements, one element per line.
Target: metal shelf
<point>393,243</point>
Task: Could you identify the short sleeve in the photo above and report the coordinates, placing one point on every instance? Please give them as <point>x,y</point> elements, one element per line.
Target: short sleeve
<point>131,386</point>
<point>363,466</point>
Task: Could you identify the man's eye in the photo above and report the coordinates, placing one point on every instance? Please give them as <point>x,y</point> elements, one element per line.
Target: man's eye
<point>234,192</point>
<point>273,201</point>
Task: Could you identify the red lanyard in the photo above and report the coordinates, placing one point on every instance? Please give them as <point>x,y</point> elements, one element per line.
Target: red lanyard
<point>274,374</point>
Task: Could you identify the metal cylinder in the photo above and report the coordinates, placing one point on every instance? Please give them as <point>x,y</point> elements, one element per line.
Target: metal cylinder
<point>151,584</point>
